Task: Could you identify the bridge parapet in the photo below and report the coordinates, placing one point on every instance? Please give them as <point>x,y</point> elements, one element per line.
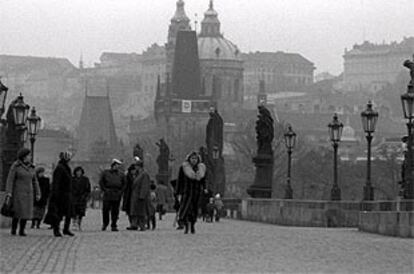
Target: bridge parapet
<point>312,213</point>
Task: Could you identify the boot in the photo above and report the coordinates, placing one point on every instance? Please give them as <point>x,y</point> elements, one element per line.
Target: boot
<point>186,228</point>
<point>80,223</point>
<point>56,231</point>
<point>192,228</point>
<point>66,230</point>
<point>15,222</point>
<point>38,224</point>
<point>22,227</point>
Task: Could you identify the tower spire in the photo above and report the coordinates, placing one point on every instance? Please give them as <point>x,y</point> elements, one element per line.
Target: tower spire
<point>210,26</point>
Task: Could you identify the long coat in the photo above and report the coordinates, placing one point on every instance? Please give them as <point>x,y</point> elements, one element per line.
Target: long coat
<point>112,184</point>
<point>81,189</point>
<point>23,186</point>
<point>190,183</point>
<point>126,199</point>
<point>44,184</point>
<point>60,199</point>
<point>140,195</point>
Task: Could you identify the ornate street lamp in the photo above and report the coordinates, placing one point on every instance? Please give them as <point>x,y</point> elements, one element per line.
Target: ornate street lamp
<point>407,100</point>
<point>20,110</point>
<point>33,122</point>
<point>3,96</point>
<point>369,118</point>
<point>335,133</point>
<point>290,142</point>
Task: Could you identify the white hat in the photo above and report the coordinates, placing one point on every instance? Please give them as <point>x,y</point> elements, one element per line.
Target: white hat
<point>116,161</point>
<point>217,196</point>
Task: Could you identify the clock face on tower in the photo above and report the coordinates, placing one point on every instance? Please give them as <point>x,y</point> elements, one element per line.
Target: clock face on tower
<point>186,106</point>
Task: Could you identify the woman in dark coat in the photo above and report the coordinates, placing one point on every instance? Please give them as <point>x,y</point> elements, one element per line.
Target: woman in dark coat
<point>60,198</point>
<point>81,189</point>
<point>190,184</point>
<point>40,206</point>
<point>22,187</point>
<point>126,199</point>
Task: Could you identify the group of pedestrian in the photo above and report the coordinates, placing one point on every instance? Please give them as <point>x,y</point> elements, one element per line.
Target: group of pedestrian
<point>31,193</point>
<point>142,197</point>
<point>66,197</point>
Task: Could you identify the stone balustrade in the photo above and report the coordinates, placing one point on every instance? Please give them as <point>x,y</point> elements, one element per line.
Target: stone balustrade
<point>314,213</point>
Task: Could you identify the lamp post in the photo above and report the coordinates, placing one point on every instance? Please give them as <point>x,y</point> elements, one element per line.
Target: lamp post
<point>3,96</point>
<point>369,118</point>
<point>335,132</point>
<point>13,137</point>
<point>407,100</point>
<point>33,127</point>
<point>290,141</point>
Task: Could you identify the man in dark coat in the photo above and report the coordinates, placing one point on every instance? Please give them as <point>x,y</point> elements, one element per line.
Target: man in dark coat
<point>113,184</point>
<point>60,204</point>
<point>190,184</point>
<point>140,198</point>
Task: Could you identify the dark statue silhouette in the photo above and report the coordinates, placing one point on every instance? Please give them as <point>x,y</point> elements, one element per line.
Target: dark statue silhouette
<point>163,157</point>
<point>264,131</point>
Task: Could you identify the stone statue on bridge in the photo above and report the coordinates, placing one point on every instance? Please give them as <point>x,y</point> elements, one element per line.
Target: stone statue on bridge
<point>264,131</point>
<point>410,65</point>
<point>163,162</point>
<point>262,186</point>
<point>138,152</point>
<point>215,162</point>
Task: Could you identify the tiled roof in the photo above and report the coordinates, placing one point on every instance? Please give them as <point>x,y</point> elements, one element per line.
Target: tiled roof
<point>278,57</point>
<point>12,63</point>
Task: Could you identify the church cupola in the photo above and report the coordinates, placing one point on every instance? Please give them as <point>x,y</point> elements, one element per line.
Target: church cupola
<point>210,26</point>
<point>180,15</point>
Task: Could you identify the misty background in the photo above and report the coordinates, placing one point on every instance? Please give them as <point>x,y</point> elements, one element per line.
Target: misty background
<point>318,29</point>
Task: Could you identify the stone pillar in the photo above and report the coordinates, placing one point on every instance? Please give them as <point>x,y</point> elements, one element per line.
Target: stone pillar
<point>262,186</point>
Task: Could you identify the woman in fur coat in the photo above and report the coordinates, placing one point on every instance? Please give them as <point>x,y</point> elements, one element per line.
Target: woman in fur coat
<point>190,184</point>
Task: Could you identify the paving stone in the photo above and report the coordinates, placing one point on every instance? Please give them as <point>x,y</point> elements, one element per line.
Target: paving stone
<point>229,246</point>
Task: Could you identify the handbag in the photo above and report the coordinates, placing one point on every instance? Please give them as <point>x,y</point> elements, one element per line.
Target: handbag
<point>7,208</point>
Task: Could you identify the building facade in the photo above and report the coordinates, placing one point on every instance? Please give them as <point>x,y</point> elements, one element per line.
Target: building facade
<point>370,67</point>
<point>281,72</point>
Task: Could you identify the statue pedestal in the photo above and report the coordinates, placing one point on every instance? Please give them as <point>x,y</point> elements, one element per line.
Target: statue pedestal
<point>163,178</point>
<point>262,186</point>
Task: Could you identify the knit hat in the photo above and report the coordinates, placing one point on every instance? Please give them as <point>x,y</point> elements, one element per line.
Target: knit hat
<point>23,152</point>
<point>65,155</point>
<point>193,153</point>
<point>40,170</point>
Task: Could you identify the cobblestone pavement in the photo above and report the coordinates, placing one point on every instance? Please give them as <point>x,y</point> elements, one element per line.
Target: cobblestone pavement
<point>227,246</point>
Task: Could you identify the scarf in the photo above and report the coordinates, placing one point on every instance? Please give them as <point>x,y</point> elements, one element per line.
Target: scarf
<point>194,175</point>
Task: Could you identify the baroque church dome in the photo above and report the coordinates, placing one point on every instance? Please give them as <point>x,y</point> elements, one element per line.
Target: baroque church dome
<point>211,43</point>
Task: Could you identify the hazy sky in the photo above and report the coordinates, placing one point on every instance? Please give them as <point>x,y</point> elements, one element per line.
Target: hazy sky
<point>317,29</point>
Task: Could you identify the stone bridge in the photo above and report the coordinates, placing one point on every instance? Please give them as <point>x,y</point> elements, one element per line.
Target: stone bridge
<point>223,247</point>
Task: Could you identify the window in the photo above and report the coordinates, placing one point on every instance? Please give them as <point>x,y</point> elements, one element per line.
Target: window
<point>236,89</point>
